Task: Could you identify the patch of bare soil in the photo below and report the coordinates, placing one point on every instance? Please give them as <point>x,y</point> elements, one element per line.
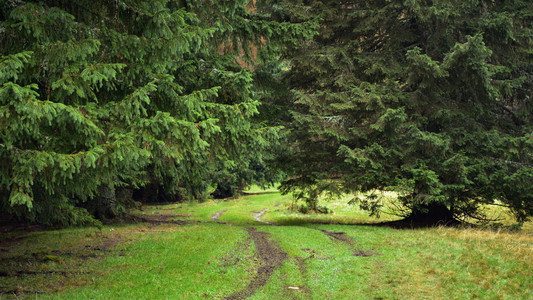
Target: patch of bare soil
<point>316,255</point>
<point>51,272</point>
<point>258,215</point>
<point>339,236</point>
<point>217,215</point>
<point>342,237</point>
<point>271,257</point>
<point>67,263</point>
<point>363,253</point>
<point>18,291</point>
<point>157,219</point>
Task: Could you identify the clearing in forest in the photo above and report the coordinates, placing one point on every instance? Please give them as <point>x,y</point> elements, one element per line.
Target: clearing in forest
<point>253,247</point>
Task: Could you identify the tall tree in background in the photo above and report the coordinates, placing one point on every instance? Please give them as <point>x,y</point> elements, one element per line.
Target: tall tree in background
<point>430,99</point>
<point>245,40</point>
<point>100,97</point>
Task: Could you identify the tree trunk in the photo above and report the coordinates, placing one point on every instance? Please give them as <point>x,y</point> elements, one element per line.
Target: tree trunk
<point>432,215</point>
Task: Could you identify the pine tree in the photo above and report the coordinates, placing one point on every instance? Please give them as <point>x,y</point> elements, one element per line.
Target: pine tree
<point>430,99</point>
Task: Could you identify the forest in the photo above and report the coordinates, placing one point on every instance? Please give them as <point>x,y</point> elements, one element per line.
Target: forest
<point>355,121</point>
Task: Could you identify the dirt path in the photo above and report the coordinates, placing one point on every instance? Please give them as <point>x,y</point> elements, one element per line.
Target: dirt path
<point>300,261</point>
<point>157,219</point>
<point>343,238</point>
<point>271,257</point>
<point>339,236</point>
<point>258,215</point>
<point>217,215</point>
<point>268,252</point>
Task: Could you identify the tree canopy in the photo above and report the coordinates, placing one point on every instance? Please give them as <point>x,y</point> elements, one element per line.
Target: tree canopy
<point>98,98</point>
<point>103,102</point>
<point>429,99</point>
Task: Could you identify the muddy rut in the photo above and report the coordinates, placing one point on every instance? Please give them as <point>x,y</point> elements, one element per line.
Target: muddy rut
<point>271,257</point>
<point>217,215</point>
<point>258,217</point>
<point>339,236</point>
<point>267,251</point>
<point>343,238</point>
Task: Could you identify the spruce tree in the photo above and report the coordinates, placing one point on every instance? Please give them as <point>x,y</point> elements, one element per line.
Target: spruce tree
<point>430,99</point>
<point>101,97</point>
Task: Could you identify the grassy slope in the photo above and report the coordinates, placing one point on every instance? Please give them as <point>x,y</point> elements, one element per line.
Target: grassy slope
<point>210,260</point>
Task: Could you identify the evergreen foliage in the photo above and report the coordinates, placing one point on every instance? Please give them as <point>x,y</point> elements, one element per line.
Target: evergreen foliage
<point>103,101</point>
<point>101,97</point>
<point>430,99</point>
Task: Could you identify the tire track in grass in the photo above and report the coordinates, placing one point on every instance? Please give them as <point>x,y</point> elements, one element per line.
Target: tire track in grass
<point>258,217</point>
<point>300,262</point>
<point>217,215</point>
<point>348,241</point>
<point>339,236</point>
<point>271,256</point>
<point>268,252</point>
<point>302,267</point>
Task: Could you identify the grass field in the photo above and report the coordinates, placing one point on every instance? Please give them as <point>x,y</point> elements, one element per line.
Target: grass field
<point>253,247</point>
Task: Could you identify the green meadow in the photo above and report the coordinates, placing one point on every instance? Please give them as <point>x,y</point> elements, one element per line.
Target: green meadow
<point>255,247</point>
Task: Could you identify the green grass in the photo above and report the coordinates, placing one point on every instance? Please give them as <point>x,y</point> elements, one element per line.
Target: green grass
<point>172,264</point>
<point>208,260</point>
